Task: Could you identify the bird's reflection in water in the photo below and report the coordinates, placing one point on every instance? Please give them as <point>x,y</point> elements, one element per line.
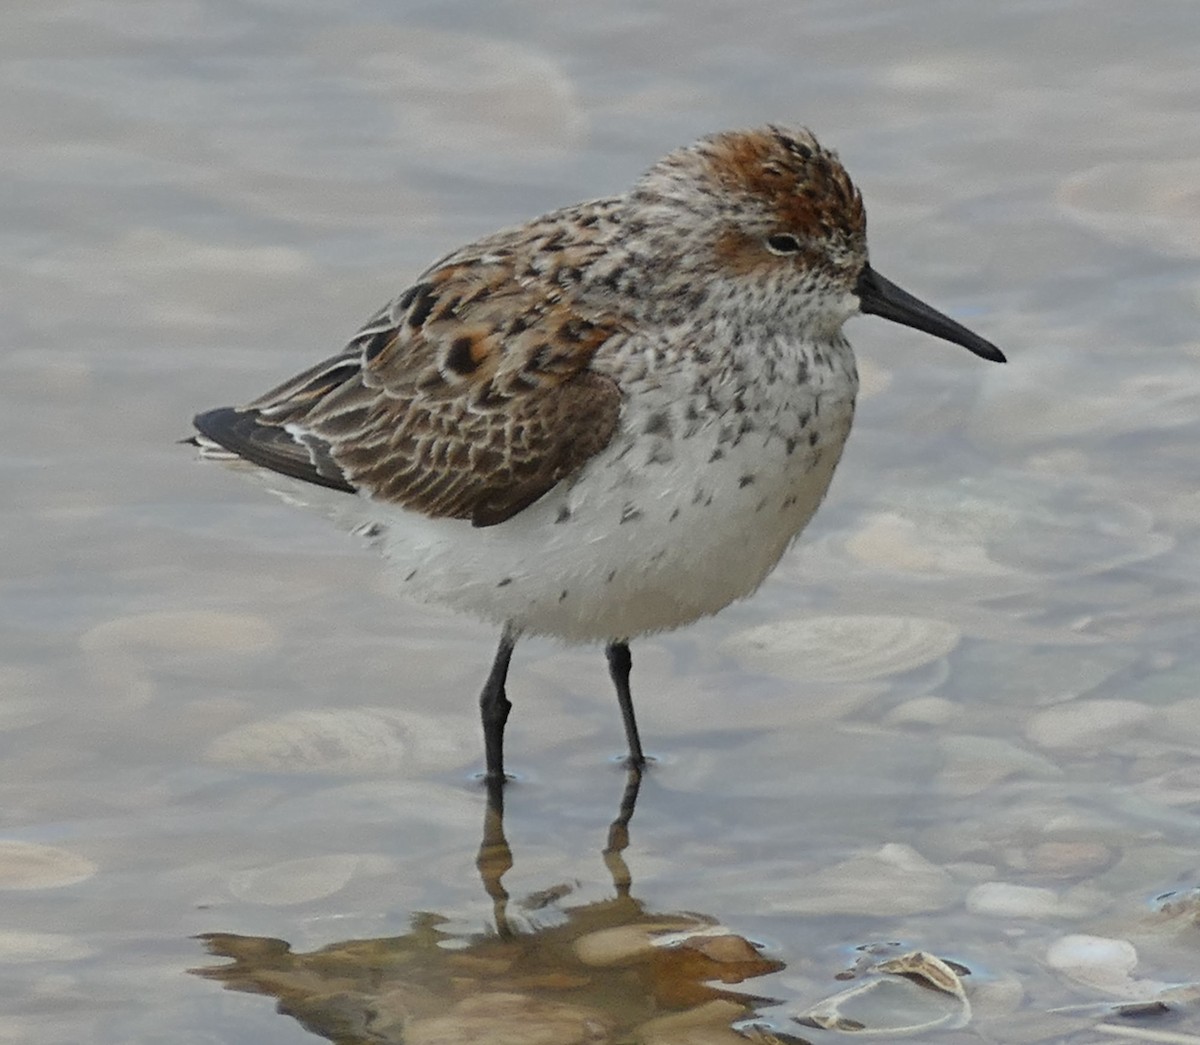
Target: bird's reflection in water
<point>495,857</point>
<point>602,972</point>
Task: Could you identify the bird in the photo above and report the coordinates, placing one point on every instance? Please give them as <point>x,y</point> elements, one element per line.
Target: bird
<point>612,420</point>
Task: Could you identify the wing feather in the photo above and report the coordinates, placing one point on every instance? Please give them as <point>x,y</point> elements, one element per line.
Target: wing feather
<point>469,396</point>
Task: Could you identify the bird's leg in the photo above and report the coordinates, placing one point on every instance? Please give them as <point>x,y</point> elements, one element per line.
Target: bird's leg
<point>619,663</point>
<point>494,705</point>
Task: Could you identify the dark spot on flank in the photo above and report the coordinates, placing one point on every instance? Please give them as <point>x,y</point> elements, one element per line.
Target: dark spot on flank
<point>791,445</point>
<point>716,455</point>
<point>629,513</point>
<point>674,514</point>
<point>562,595</point>
<point>459,358</point>
<point>659,423</point>
<point>505,582</point>
<point>410,575</point>
<point>421,300</point>
<point>564,513</point>
<point>745,481</point>
<point>611,575</point>
<point>813,437</point>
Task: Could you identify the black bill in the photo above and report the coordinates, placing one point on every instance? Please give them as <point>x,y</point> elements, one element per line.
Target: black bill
<point>881,297</point>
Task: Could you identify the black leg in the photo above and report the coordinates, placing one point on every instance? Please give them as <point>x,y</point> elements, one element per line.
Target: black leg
<point>619,663</point>
<point>494,706</point>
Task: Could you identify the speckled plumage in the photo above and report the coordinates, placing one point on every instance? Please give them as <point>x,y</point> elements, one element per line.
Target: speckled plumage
<point>613,419</point>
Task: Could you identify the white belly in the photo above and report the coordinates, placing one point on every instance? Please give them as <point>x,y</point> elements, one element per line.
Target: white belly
<point>673,521</point>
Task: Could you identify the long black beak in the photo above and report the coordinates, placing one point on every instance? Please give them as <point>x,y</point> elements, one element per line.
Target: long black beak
<point>881,297</point>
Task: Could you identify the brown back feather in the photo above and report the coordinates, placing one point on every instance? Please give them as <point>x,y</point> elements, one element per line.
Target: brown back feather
<point>470,398</point>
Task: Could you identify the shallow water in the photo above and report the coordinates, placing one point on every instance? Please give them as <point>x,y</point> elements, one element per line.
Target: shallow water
<point>961,718</point>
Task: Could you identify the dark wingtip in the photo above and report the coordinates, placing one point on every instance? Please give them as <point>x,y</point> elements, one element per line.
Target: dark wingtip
<point>242,432</point>
<point>219,425</point>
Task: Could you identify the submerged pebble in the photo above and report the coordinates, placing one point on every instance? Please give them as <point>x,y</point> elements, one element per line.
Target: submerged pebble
<point>891,881</point>
<point>1096,961</point>
<point>843,648</point>
<point>28,865</point>
<point>628,943</point>
<point>1085,723</point>
<point>923,711</point>
<point>347,741</point>
<point>300,881</point>
<point>706,1024</point>
<point>975,763</point>
<point>1009,900</point>
<point>21,947</point>
<point>501,1018</point>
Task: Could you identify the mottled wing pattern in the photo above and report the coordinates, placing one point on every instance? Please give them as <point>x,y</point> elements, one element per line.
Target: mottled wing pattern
<point>469,397</point>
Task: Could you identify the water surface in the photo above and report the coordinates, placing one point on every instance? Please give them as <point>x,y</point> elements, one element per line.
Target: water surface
<point>962,716</point>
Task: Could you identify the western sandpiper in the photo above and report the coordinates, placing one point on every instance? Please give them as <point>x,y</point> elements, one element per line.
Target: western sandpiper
<point>613,419</point>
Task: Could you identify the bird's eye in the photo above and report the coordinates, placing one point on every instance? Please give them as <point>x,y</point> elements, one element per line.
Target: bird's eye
<point>783,243</point>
